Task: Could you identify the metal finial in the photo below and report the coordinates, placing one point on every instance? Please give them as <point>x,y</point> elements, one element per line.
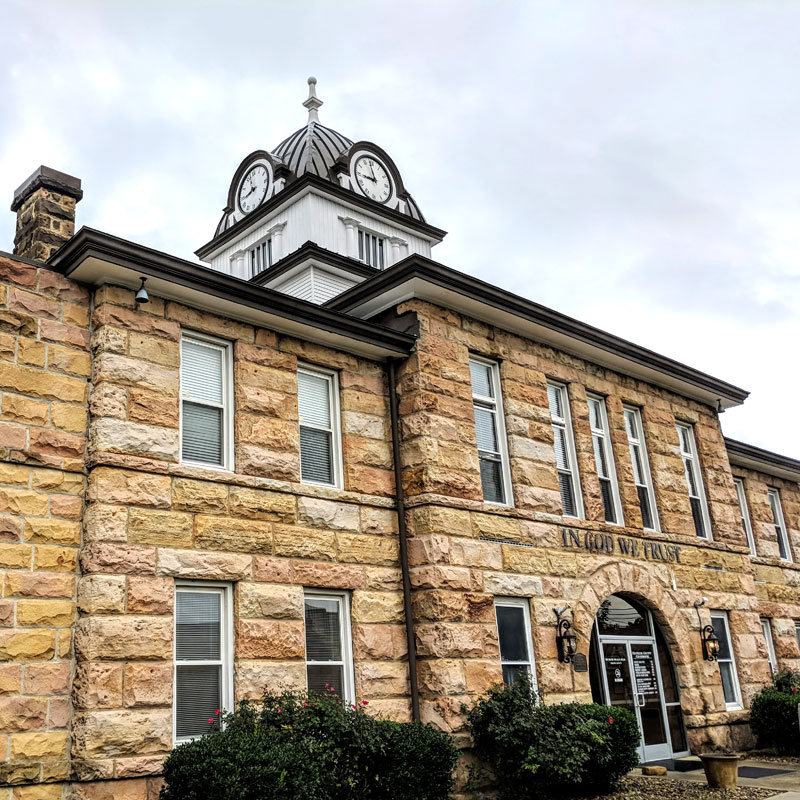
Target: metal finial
<point>313,103</point>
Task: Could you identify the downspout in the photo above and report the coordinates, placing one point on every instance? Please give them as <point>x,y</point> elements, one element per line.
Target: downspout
<point>401,529</point>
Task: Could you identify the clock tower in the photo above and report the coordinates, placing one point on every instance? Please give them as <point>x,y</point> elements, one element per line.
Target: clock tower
<point>317,215</point>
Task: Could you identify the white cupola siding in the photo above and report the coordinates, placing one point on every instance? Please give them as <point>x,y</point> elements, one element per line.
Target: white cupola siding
<point>347,198</point>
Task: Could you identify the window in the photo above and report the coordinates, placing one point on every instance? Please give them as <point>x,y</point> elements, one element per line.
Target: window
<point>766,629</point>
<point>641,469</point>
<point>514,635</point>
<point>320,443</point>
<point>329,654</point>
<point>604,460</point>
<point>694,481</point>
<point>372,249</point>
<point>260,257</point>
<point>797,631</point>
<point>203,657</point>
<point>780,525</point>
<point>744,512</point>
<point>727,666</point>
<point>490,431</point>
<point>206,402</point>
<point>566,464</point>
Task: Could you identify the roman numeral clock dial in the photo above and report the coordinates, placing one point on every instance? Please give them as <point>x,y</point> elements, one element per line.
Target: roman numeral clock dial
<point>253,188</point>
<point>373,179</point>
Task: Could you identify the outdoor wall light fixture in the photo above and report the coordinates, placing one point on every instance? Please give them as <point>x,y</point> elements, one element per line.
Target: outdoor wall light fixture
<point>142,296</point>
<point>566,640</point>
<point>710,644</point>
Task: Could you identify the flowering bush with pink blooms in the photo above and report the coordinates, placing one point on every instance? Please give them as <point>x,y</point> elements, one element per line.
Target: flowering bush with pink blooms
<point>564,749</point>
<point>773,713</point>
<point>298,746</point>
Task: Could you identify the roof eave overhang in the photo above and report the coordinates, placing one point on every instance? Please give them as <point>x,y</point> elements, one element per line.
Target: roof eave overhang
<point>424,279</point>
<point>96,258</point>
<point>303,185</point>
<point>758,460</point>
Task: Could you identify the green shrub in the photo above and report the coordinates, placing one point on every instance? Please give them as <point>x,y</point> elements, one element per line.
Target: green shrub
<point>294,746</point>
<point>773,713</point>
<point>561,749</point>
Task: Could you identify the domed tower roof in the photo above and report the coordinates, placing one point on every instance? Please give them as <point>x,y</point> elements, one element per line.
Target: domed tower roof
<point>314,148</point>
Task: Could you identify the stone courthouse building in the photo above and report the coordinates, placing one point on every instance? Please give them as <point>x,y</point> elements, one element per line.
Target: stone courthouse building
<point>316,455</point>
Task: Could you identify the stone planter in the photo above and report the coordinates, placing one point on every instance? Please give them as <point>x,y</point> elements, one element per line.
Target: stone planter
<point>722,769</point>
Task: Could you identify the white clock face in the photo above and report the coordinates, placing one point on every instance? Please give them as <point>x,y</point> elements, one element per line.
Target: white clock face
<point>373,179</point>
<point>253,188</point>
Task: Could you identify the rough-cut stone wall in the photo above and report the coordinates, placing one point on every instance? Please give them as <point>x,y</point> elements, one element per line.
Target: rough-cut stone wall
<point>464,552</point>
<point>44,366</point>
<point>151,520</point>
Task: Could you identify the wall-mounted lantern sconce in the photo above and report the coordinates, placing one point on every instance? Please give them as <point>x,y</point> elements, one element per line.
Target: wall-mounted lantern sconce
<point>141,296</point>
<point>710,644</point>
<point>566,640</point>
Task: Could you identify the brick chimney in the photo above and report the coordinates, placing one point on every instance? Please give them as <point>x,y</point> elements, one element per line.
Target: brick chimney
<point>45,206</point>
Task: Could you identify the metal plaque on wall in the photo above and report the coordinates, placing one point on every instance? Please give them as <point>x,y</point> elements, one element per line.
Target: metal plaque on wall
<point>579,663</point>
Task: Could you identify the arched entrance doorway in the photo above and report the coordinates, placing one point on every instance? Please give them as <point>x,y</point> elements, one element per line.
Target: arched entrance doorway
<point>631,667</point>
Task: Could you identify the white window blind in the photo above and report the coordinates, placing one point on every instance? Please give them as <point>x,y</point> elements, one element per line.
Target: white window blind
<point>641,468</point>
<point>490,431</point>
<point>725,661</point>
<point>766,630</point>
<point>203,668</point>
<point>780,524</point>
<point>372,249</point>
<point>329,653</point>
<point>514,635</point>
<point>320,446</point>
<point>566,462</point>
<point>604,460</point>
<point>694,481</point>
<point>744,512</point>
<point>797,632</point>
<point>205,387</point>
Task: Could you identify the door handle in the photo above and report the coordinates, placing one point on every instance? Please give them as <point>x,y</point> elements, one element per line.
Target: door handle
<point>640,699</point>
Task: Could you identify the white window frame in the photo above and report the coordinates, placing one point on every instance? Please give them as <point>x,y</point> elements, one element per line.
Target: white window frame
<point>797,632</point>
<point>525,605</point>
<point>744,511</point>
<point>766,630</point>
<point>636,442</point>
<point>779,523</point>
<point>336,427</point>
<point>225,590</point>
<point>603,436</point>
<point>565,422</point>
<point>495,405</point>
<point>348,694</point>
<point>227,404</point>
<point>737,703</point>
<point>380,249</point>
<point>691,461</point>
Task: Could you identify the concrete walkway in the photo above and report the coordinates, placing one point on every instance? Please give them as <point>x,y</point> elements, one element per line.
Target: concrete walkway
<point>788,782</point>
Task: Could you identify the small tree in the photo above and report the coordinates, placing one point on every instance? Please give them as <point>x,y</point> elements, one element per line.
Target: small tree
<point>773,713</point>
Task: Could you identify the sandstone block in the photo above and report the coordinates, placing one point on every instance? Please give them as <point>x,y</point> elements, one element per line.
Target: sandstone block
<point>442,676</point>
<point>327,514</point>
<point>10,679</point>
<point>160,528</point>
<point>456,640</point>
<point>45,613</point>
<point>42,791</point>
<point>23,501</point>
<point>209,323</point>
<point>125,637</point>
<point>152,408</point>
<point>52,531</point>
<point>135,767</point>
<point>22,409</point>
<point>118,558</point>
<point>108,400</point>
<point>31,746</point>
<point>371,642</point>
<point>42,385</point>
<point>120,436</point>
<point>196,564</point>
<point>150,595</point>
<point>68,418</point>
<point>378,521</point>
<point>105,523</point>
<point>22,713</point>
<point>148,684</point>
<point>512,585</point>
<point>255,460</point>
<point>481,675</point>
<point>304,543</point>
<point>136,789</point>
<point>125,487</point>
<point>436,576</point>
<point>36,645</point>
<point>262,504</point>
<point>54,480</point>
<point>360,549</point>
<point>229,533</point>
<point>97,685</point>
<point>37,584</point>
<point>47,678</point>
<point>55,559</point>
<point>274,601</point>
<point>270,639</point>
<point>30,352</point>
<point>253,677</point>
<point>102,594</point>
<point>66,506</point>
<point>272,570</point>
<point>135,373</point>
<point>6,613</point>
<point>72,362</point>
<point>155,349</point>
<point>384,678</point>
<point>333,576</point>
<point>202,496</point>
<point>377,606</point>
<point>474,553</point>
<point>110,734</point>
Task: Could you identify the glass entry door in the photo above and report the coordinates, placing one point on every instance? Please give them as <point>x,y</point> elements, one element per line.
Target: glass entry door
<point>633,681</point>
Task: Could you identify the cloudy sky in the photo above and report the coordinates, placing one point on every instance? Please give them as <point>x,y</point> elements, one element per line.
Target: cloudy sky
<point>633,164</point>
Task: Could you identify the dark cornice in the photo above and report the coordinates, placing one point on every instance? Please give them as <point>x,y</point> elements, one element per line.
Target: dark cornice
<point>90,243</point>
<point>747,455</point>
<point>313,250</point>
<point>297,186</point>
<point>424,269</point>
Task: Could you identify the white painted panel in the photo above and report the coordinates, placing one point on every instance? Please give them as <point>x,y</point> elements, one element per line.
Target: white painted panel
<point>301,285</point>
<point>327,285</point>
